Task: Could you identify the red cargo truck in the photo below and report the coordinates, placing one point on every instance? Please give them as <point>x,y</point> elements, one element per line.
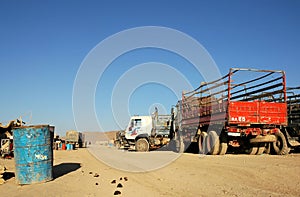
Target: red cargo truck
<point>244,111</point>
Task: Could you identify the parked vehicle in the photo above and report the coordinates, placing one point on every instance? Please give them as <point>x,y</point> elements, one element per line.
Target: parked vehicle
<point>120,139</point>
<point>147,132</point>
<point>292,131</point>
<point>77,139</point>
<point>244,111</point>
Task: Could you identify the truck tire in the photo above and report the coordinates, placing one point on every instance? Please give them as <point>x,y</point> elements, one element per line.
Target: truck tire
<point>202,142</point>
<point>118,145</point>
<point>213,143</point>
<point>180,146</point>
<point>261,149</point>
<point>252,150</point>
<point>268,148</point>
<point>142,145</point>
<point>223,148</point>
<point>280,147</point>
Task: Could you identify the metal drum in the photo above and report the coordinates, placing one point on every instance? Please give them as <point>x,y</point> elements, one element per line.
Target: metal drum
<point>33,153</point>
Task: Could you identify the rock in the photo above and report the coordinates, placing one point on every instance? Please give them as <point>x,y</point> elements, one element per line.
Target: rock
<point>113,181</point>
<point>117,192</point>
<point>119,185</point>
<point>125,178</point>
<point>96,175</point>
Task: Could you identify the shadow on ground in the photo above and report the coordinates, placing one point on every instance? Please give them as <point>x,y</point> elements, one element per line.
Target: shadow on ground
<point>8,175</point>
<point>64,168</point>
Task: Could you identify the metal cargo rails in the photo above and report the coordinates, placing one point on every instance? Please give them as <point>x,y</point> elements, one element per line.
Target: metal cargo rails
<point>244,109</point>
<point>160,124</point>
<point>33,153</point>
<point>292,131</point>
<point>293,101</point>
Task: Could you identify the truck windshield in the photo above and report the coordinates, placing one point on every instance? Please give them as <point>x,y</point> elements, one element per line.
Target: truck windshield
<point>137,122</point>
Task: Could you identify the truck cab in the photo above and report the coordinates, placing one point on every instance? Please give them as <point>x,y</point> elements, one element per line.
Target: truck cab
<point>137,126</point>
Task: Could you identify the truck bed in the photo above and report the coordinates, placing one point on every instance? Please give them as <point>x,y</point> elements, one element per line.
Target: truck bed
<point>260,99</point>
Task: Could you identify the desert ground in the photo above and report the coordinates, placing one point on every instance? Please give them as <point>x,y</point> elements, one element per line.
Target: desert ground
<point>91,171</point>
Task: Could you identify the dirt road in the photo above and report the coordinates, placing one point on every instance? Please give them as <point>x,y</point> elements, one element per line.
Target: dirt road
<point>189,175</point>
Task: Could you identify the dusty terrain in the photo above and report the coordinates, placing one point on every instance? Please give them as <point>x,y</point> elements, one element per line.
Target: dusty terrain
<point>188,175</point>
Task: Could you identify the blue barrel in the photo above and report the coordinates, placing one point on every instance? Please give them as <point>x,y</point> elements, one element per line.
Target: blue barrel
<point>33,153</point>
<point>70,147</point>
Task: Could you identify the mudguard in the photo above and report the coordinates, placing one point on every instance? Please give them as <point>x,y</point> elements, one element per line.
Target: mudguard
<point>144,135</point>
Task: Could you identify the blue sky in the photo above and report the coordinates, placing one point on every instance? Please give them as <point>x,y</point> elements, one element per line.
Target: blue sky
<point>43,43</point>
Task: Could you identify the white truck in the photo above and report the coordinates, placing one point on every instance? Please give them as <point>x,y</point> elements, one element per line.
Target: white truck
<point>147,132</point>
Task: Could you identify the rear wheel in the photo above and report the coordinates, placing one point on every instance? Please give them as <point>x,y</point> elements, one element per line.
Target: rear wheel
<point>118,145</point>
<point>280,145</point>
<point>223,148</point>
<point>213,143</point>
<point>261,148</point>
<point>201,142</point>
<point>142,145</point>
<point>180,146</point>
<point>268,148</point>
<point>252,150</point>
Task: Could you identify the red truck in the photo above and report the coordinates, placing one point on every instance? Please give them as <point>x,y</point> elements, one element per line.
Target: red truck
<point>244,111</point>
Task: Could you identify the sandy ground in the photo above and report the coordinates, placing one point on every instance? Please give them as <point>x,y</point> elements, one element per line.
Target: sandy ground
<point>188,175</point>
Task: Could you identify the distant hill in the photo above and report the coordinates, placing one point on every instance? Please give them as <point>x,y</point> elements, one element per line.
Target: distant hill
<point>111,134</point>
<point>97,137</point>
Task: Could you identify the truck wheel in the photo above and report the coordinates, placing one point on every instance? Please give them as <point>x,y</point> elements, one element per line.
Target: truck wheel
<point>213,143</point>
<point>201,142</point>
<point>142,145</point>
<point>223,148</point>
<point>280,145</point>
<point>118,145</point>
<point>268,148</point>
<point>261,148</point>
<point>252,150</point>
<point>180,146</point>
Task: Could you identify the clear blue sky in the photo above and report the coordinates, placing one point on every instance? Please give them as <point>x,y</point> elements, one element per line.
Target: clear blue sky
<point>43,43</point>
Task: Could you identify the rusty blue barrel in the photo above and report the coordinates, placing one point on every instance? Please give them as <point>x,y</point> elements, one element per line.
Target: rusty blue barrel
<point>33,153</point>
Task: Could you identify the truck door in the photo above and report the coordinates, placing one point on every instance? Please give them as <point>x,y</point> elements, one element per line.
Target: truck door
<point>135,127</point>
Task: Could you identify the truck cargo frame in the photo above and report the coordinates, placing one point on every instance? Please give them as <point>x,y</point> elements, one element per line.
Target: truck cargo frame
<point>292,131</point>
<point>237,111</point>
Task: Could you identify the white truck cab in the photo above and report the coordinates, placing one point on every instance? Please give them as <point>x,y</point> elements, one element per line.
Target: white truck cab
<point>138,125</point>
